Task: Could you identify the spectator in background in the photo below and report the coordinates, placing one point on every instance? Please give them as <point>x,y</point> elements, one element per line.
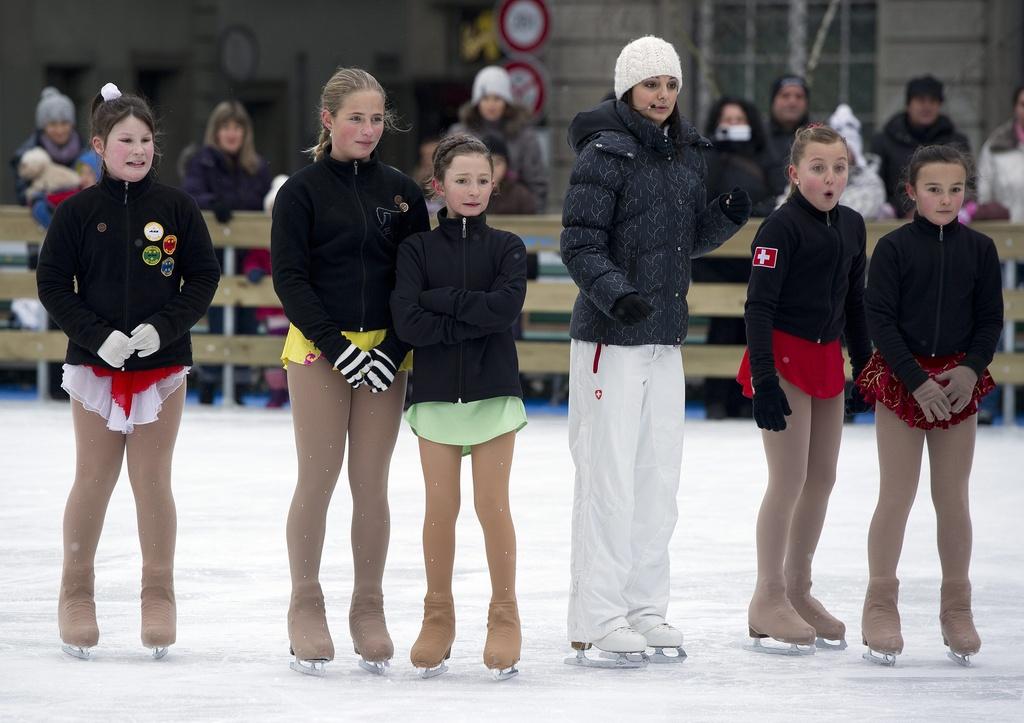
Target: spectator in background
<point>1001,169</point>
<point>920,124</point>
<point>789,111</point>
<point>865,191</point>
<point>424,170</point>
<point>493,111</point>
<point>55,133</point>
<point>511,196</point>
<point>224,176</point>
<point>738,161</point>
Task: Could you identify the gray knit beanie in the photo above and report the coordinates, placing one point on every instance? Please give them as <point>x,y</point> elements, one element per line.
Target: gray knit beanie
<point>54,107</point>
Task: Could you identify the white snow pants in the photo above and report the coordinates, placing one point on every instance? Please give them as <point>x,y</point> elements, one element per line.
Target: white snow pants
<point>626,410</point>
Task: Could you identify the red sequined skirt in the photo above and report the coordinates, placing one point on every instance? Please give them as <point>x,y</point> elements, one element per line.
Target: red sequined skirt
<point>878,383</point>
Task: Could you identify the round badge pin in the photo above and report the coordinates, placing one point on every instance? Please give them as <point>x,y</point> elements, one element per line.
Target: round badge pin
<point>154,231</point>
<point>151,255</point>
<point>101,227</point>
<point>167,267</point>
<point>170,244</point>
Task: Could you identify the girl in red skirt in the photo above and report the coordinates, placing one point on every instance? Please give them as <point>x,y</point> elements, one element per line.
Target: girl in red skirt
<point>935,311</point>
<point>126,269</point>
<point>806,290</point>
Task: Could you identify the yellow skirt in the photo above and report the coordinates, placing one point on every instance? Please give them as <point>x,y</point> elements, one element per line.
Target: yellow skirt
<point>301,350</point>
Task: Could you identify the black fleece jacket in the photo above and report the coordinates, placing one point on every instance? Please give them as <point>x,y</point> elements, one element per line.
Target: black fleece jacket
<point>809,283</point>
<point>460,289</point>
<point>333,243</point>
<point>934,291</point>
<point>141,254</point>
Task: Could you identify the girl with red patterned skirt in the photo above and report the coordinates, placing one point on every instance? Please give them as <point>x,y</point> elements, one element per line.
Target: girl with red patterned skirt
<point>935,311</point>
<point>126,269</point>
<point>806,290</point>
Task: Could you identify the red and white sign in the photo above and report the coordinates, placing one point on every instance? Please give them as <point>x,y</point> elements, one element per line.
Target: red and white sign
<point>529,86</point>
<point>765,256</point>
<point>523,25</point>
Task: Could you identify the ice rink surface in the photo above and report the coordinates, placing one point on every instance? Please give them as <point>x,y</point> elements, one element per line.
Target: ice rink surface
<point>233,476</point>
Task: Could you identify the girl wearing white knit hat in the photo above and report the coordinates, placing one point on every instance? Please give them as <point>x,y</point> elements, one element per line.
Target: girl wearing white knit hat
<point>634,216</point>
<point>493,111</point>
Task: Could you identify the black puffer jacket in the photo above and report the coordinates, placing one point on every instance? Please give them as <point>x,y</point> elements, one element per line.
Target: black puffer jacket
<point>459,290</point>
<point>634,216</point>
<point>896,143</point>
<point>141,254</point>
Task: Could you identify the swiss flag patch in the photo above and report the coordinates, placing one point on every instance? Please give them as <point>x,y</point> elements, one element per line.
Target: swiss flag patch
<point>765,256</point>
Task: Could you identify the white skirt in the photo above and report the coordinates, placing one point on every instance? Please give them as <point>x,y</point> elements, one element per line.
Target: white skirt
<point>95,394</point>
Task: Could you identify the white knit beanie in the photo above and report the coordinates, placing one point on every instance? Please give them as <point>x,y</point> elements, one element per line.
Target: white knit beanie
<point>492,80</point>
<point>846,124</point>
<point>54,107</point>
<point>645,58</point>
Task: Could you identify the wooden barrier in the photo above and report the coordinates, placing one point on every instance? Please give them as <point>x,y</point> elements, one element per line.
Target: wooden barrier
<point>252,230</point>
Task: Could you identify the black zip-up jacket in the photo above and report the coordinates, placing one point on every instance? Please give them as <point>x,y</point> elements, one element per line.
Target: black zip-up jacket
<point>934,291</point>
<point>460,289</point>
<point>333,242</point>
<point>141,254</point>
<point>815,290</point>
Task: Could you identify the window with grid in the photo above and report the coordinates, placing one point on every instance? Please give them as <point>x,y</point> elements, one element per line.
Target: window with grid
<point>749,43</point>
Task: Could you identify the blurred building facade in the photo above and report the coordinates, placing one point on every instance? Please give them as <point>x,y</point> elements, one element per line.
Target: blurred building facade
<point>274,56</point>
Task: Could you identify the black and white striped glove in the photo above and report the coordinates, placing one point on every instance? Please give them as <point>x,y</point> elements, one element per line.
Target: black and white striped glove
<point>353,364</point>
<point>381,371</point>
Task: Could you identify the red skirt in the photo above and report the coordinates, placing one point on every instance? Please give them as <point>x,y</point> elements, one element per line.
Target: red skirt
<point>878,383</point>
<point>816,369</point>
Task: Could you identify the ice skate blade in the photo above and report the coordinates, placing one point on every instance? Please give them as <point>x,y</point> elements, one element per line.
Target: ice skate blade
<point>631,657</point>
<point>658,656</point>
<point>825,644</point>
<point>500,674</point>
<point>76,652</point>
<point>619,661</point>
<point>961,660</point>
<point>427,673</point>
<point>886,659</point>
<point>309,667</point>
<point>376,667</point>
<point>160,652</point>
<point>793,649</point>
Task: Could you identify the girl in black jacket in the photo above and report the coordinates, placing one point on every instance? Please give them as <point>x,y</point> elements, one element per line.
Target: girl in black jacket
<point>460,289</point>
<point>145,271</point>
<point>336,228</point>
<point>806,290</point>
<point>935,311</point>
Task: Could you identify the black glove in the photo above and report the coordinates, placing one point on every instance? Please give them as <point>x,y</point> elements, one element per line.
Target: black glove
<point>855,402</point>
<point>381,372</point>
<point>255,275</point>
<point>735,205</point>
<point>770,405</point>
<point>631,309</point>
<point>221,211</point>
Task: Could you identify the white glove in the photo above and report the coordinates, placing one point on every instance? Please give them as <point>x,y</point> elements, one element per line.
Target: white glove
<point>145,340</point>
<point>115,349</point>
<point>352,364</point>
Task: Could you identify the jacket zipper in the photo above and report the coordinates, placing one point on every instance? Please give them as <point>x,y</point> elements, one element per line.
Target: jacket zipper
<point>832,273</point>
<point>938,302</point>
<point>127,257</point>
<point>362,246</point>
<point>465,284</point>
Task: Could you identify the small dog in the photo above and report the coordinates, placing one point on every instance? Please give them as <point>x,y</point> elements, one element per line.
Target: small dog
<point>46,176</point>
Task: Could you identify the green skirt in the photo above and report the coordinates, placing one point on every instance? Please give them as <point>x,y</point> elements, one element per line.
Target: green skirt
<point>466,424</point>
